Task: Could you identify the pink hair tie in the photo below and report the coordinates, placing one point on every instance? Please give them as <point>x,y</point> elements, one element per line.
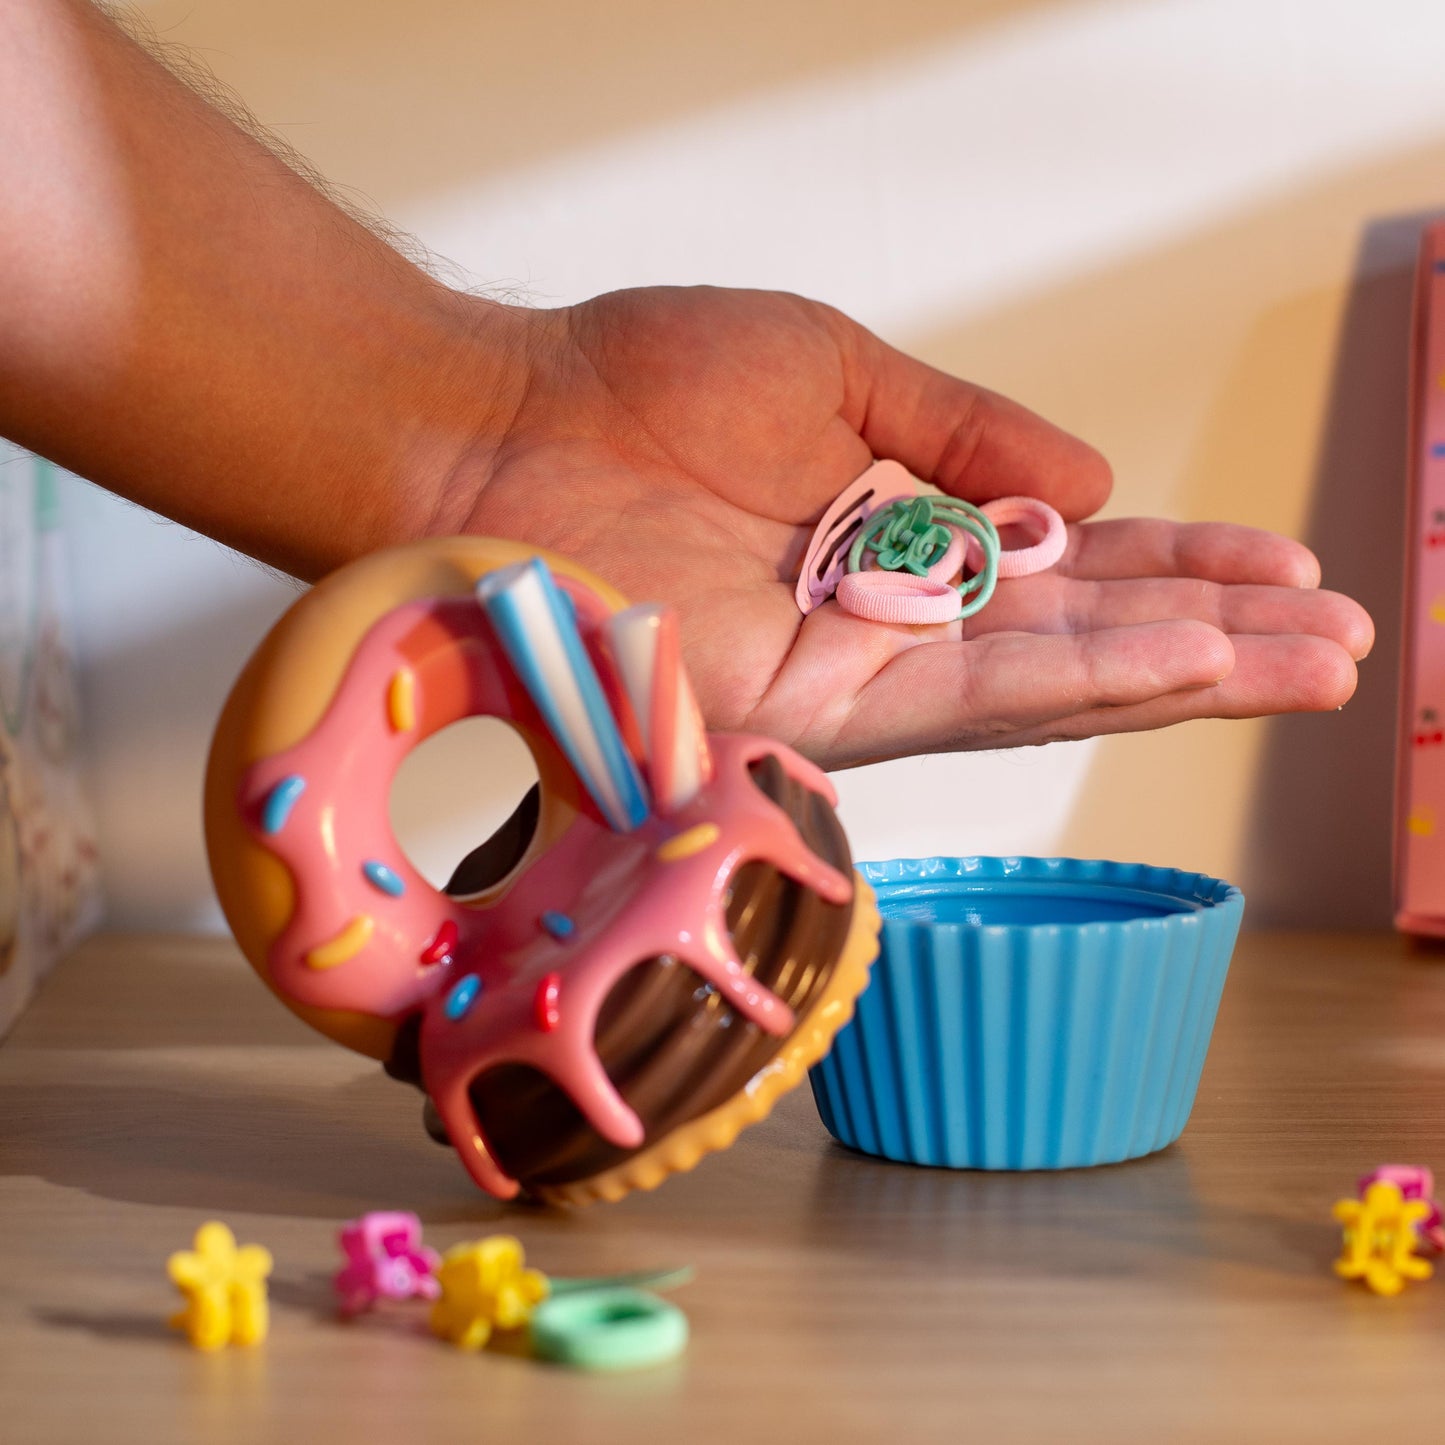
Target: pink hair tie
<point>1039,519</point>
<point>898,597</point>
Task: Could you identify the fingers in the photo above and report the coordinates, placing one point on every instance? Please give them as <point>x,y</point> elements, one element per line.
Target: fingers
<point>1012,690</point>
<point>1215,551</point>
<point>1271,675</point>
<point>941,696</point>
<point>969,441</point>
<point>1050,603</point>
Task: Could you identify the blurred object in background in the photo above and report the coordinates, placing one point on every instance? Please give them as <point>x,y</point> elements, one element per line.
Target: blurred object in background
<point>49,894</point>
<point>1420,799</point>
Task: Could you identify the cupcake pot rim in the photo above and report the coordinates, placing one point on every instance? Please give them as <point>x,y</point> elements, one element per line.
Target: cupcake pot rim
<point>1201,894</point>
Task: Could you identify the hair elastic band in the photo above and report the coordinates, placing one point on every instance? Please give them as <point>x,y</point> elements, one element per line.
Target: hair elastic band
<point>1040,520</point>
<point>898,597</point>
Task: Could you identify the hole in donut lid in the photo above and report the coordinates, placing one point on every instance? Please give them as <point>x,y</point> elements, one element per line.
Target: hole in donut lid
<point>458,804</point>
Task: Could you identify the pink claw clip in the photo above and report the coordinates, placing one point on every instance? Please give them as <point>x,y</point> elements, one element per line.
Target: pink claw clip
<point>385,1259</point>
<point>1414,1181</point>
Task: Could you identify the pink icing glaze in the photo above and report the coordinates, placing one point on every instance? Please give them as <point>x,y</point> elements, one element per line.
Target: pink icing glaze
<point>626,904</point>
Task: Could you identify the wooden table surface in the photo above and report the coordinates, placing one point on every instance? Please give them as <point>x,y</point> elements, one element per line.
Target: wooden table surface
<point>1182,1298</point>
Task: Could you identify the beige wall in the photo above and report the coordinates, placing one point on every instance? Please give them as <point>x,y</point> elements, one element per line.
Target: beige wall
<point>401,98</point>
<point>1226,319</point>
<point>1254,370</point>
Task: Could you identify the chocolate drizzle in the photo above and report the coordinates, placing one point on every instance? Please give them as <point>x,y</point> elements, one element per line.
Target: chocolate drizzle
<point>490,863</point>
<point>667,1040</point>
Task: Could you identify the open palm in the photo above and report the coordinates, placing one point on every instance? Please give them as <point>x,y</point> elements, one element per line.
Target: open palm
<point>682,443</point>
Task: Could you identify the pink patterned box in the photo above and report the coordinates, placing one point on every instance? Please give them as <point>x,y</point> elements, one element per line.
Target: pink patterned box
<point>1420,758</point>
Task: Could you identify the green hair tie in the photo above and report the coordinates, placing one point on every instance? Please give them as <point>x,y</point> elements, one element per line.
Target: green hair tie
<point>911,534</point>
<point>609,1328</point>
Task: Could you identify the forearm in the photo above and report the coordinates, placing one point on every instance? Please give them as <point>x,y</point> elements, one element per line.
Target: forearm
<point>186,321</point>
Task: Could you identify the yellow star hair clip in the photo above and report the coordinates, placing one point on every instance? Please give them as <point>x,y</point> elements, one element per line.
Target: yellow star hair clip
<point>485,1286</point>
<point>224,1286</point>
<point>1381,1231</point>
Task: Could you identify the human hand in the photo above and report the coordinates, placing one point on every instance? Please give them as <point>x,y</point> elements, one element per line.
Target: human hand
<point>295,388</point>
<point>682,443</point>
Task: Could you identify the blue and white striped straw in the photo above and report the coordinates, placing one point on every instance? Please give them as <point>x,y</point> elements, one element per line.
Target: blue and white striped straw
<point>537,626</point>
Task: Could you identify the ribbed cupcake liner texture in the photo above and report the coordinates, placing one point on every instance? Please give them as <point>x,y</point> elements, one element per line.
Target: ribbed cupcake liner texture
<point>1045,1045</point>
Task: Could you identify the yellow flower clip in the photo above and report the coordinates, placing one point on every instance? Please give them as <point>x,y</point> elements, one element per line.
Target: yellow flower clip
<point>484,1287</point>
<point>1380,1239</point>
<point>224,1288</point>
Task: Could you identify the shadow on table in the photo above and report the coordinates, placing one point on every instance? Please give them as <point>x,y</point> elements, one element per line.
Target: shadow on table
<point>222,1147</point>
<point>116,1325</point>
<point>1141,1216</point>
<point>208,1001</point>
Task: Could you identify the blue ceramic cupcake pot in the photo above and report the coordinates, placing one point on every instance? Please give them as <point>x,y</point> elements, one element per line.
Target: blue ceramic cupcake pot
<point>1030,1013</point>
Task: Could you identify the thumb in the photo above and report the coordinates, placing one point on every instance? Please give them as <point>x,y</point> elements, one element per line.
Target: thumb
<point>967,440</point>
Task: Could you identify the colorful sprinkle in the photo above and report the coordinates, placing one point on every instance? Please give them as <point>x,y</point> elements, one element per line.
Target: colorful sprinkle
<point>549,991</point>
<point>401,700</point>
<point>382,878</point>
<point>279,802</point>
<point>462,997</point>
<point>558,924</point>
<point>439,950</point>
<point>1421,822</point>
<point>347,944</point>
<point>1438,449</point>
<point>1440,265</point>
<point>684,845</point>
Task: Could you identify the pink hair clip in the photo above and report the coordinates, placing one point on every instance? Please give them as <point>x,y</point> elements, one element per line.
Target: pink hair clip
<point>1414,1181</point>
<point>385,1259</point>
<point>826,561</point>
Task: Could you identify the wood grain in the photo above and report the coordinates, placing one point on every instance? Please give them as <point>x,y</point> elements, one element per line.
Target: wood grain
<point>1185,1298</point>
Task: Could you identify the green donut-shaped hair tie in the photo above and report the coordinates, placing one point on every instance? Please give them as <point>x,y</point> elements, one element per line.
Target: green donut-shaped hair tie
<point>911,534</point>
<point>611,1328</point>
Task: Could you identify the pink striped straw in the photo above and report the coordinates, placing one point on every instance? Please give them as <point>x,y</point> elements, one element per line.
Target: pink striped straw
<point>645,648</point>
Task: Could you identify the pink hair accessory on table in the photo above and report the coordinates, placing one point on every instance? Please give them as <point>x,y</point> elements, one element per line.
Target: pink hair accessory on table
<point>385,1259</point>
<point>1414,1181</point>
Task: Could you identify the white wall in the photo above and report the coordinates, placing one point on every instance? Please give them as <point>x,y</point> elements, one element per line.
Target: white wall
<point>1145,218</point>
